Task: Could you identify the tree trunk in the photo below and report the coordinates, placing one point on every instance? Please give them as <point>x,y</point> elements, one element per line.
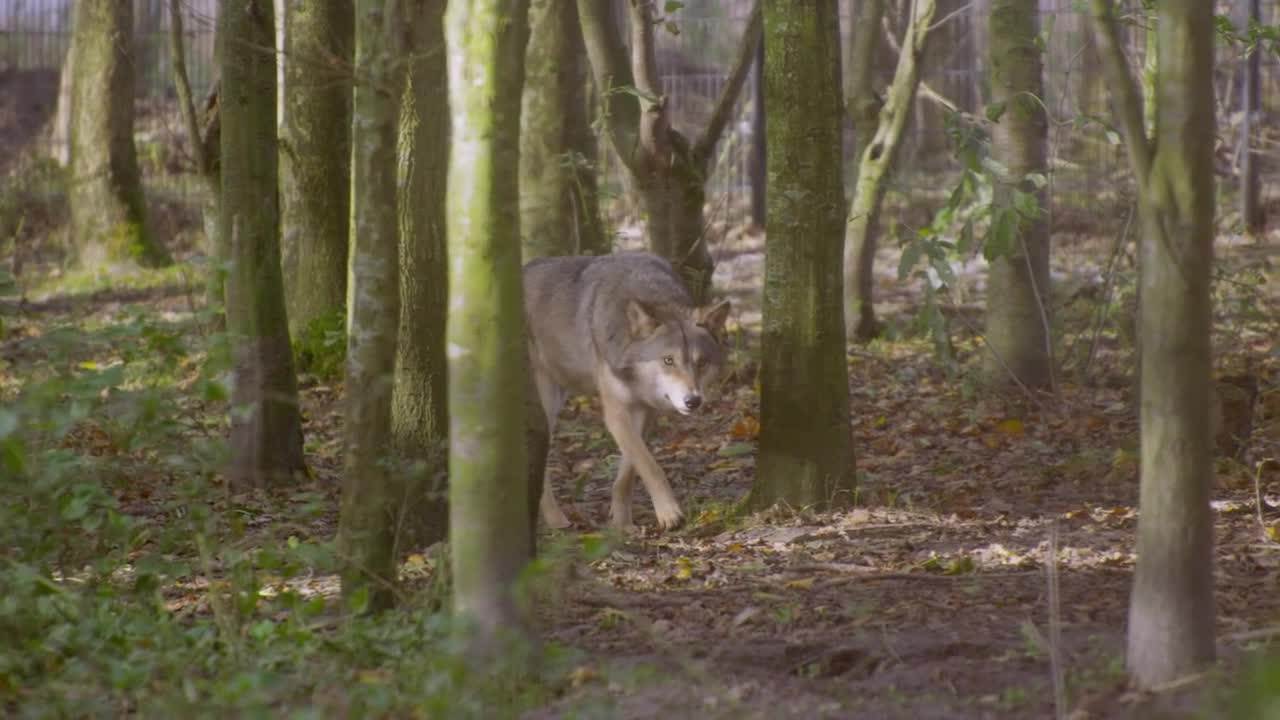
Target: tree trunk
<point>672,199</point>
<point>1018,296</point>
<point>668,170</point>
<point>806,453</point>
<point>864,104</point>
<point>1171,610</point>
<point>108,209</point>
<point>315,159</point>
<point>1251,210</point>
<point>266,432</point>
<point>862,225</point>
<point>559,200</point>
<point>489,502</point>
<point>204,152</point>
<point>759,147</point>
<point>60,137</point>
<point>367,531</point>
<point>419,403</point>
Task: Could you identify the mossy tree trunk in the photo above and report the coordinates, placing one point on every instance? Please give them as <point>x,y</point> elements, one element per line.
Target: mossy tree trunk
<point>315,159</point>
<point>367,530</point>
<point>559,199</point>
<point>668,171</point>
<point>876,161</point>
<point>806,453</point>
<point>266,429</point>
<point>489,502</point>
<point>1171,610</point>
<point>420,402</point>
<point>1018,295</point>
<point>108,209</point>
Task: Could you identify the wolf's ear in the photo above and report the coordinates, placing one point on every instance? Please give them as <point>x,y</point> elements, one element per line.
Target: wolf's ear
<point>712,317</point>
<point>640,321</point>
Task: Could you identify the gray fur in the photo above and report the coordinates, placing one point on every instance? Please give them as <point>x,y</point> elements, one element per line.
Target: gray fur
<point>621,326</point>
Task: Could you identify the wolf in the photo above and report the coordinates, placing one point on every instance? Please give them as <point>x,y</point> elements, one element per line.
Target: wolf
<point>624,327</point>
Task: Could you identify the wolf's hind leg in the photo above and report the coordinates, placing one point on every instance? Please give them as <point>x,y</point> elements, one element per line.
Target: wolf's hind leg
<point>552,397</point>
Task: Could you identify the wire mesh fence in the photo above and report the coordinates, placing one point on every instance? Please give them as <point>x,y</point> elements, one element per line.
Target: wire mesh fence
<point>694,58</point>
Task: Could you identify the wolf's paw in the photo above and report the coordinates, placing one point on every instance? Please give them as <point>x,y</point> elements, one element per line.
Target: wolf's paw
<point>556,519</point>
<point>620,519</point>
<point>670,516</point>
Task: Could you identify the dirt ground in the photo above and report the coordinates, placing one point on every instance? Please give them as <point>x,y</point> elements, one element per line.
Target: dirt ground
<point>990,552</point>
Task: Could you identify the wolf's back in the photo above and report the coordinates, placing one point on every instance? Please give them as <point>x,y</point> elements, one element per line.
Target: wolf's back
<point>577,304</point>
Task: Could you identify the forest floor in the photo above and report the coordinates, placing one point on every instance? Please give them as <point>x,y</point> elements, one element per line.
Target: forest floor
<point>990,551</point>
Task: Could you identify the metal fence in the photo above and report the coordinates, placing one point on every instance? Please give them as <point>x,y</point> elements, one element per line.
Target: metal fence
<point>35,35</point>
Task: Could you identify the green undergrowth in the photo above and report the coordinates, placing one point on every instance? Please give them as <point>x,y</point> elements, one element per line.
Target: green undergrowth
<point>135,583</point>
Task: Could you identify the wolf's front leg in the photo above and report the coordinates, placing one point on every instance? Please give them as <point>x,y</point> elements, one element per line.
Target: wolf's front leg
<point>551,511</point>
<point>620,507</point>
<point>628,433</point>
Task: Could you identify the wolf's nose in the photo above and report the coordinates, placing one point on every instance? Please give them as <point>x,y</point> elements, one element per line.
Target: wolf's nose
<point>692,401</point>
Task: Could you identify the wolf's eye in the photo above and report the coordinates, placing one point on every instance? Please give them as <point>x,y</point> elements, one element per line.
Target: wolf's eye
<point>700,363</point>
<point>668,360</point>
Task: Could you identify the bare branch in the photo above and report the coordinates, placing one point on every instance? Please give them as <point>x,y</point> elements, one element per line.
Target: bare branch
<point>925,90</point>
<point>1128,101</point>
<point>610,70</point>
<point>732,89</point>
<point>183,87</point>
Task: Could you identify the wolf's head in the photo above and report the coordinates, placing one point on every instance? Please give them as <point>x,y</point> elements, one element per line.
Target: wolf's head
<point>676,357</point>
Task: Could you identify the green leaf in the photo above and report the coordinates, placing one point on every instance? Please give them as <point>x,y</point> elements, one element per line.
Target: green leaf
<point>359,601</point>
<point>671,6</point>
<point>736,449</point>
<point>1000,240</point>
<point>910,256</point>
<point>671,27</point>
<point>943,268</point>
<point>1026,204</point>
<point>965,244</point>
<point>1037,179</point>
<point>995,111</point>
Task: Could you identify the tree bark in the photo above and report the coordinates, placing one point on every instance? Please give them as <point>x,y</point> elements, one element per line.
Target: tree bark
<point>367,530</point>
<point>315,159</point>
<point>204,154</point>
<point>489,503</point>
<point>864,104</point>
<point>1171,610</point>
<point>60,137</point>
<point>759,147</point>
<point>668,170</point>
<point>420,402</point>
<point>266,430</point>
<point>108,208</point>
<point>559,198</point>
<point>1251,210</point>
<point>877,159</point>
<point>1018,295</point>
<point>806,455</point>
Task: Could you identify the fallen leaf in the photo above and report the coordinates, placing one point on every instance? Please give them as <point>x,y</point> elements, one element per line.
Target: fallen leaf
<point>801,584</point>
<point>1011,426</point>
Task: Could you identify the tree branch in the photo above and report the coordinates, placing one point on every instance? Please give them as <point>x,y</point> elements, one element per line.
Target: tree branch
<point>925,90</point>
<point>644,60</point>
<point>732,90</point>
<point>610,70</point>
<point>1128,102</point>
<point>183,86</point>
